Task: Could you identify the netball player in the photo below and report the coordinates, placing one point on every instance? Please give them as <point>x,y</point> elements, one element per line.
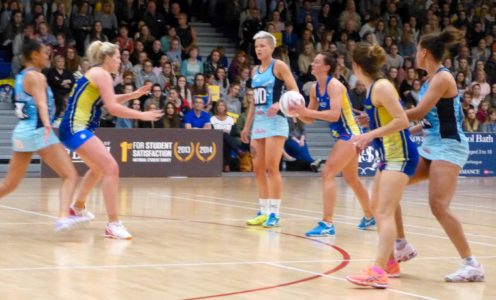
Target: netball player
<point>33,134</point>
<point>329,102</point>
<point>397,153</point>
<point>90,93</point>
<point>269,129</point>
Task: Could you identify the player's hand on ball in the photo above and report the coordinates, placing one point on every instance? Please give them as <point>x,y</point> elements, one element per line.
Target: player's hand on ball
<point>361,141</point>
<point>273,109</point>
<point>297,109</point>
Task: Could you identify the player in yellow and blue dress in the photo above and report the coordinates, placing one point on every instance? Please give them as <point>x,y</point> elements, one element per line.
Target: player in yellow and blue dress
<point>81,118</point>
<point>329,102</point>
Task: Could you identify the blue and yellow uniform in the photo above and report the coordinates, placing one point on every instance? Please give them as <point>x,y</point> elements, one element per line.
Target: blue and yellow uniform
<point>82,115</point>
<point>267,90</point>
<point>445,139</point>
<point>397,152</point>
<point>29,134</point>
<point>346,127</point>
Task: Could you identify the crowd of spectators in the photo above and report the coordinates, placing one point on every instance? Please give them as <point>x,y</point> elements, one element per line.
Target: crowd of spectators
<point>159,46</point>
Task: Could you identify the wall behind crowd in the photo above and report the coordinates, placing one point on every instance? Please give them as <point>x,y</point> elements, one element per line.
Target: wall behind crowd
<point>159,46</point>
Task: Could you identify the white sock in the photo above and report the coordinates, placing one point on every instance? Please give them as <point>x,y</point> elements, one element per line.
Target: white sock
<point>400,243</point>
<point>275,206</point>
<point>329,224</point>
<point>264,206</point>
<point>471,261</point>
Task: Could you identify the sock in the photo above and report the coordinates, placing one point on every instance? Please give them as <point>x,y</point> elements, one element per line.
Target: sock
<point>275,206</point>
<point>400,243</point>
<point>328,224</point>
<point>264,206</point>
<point>471,261</point>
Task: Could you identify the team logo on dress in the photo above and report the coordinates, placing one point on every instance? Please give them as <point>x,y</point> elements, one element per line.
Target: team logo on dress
<point>83,136</point>
<point>205,153</point>
<point>184,153</point>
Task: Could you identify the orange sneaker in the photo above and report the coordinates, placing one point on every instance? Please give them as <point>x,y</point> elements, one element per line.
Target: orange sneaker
<point>372,276</point>
<point>393,269</point>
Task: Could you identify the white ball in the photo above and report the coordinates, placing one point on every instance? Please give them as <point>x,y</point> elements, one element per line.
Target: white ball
<point>290,98</point>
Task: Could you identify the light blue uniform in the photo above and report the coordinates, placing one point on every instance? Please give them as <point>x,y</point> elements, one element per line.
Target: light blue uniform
<point>267,90</point>
<point>445,140</point>
<point>29,134</point>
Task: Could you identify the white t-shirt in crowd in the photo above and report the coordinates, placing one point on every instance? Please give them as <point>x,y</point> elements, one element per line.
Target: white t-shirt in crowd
<point>224,125</point>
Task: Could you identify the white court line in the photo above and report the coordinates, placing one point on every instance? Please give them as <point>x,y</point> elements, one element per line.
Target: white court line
<point>27,211</point>
<point>343,279</point>
<point>336,215</point>
<point>206,264</point>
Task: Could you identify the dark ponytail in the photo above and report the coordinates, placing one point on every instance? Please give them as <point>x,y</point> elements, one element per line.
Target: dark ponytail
<point>29,47</point>
<point>439,43</point>
<point>331,60</point>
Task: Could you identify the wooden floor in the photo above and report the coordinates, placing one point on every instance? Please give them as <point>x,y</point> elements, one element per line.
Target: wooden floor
<point>190,242</point>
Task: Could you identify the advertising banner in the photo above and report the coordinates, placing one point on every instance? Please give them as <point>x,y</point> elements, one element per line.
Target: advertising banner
<point>481,160</point>
<point>158,152</point>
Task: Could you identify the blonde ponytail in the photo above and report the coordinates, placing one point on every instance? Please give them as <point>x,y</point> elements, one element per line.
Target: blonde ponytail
<point>97,51</point>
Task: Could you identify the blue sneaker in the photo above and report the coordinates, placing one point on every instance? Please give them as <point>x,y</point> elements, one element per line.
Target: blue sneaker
<point>272,221</point>
<point>366,224</point>
<point>322,230</point>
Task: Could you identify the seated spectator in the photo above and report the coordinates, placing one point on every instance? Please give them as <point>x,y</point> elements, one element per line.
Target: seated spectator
<point>185,32</point>
<point>296,146</point>
<point>184,89</point>
<point>481,52</point>
<point>166,39</point>
<point>182,105</point>
<point>108,20</point>
<point>124,41</point>
<point>145,36</point>
<point>125,62</point>
<point>244,81</point>
<point>460,83</point>
<point>167,78</point>
<point>175,54</point>
<point>482,112</point>
<point>60,47</point>
<point>491,98</point>
<point>490,125</point>
<point>139,51</point>
<point>72,59</point>
<point>239,62</point>
<point>171,118</point>
<point>212,62</point>
<point>480,78</point>
<point>471,124</point>
<point>60,81</point>
<point>412,96</point>
<point>96,34</point>
<point>464,67</point>
<point>45,36</point>
<point>231,100</point>
<point>476,95</point>
<point>393,58</point>
<point>151,124</point>
<point>467,102</point>
<point>192,65</point>
<point>200,89</point>
<point>392,75</point>
<point>127,78</point>
<point>221,121</point>
<point>407,83</point>
<point>157,96</point>
<point>197,118</point>
<point>146,74</point>
<point>304,61</point>
<point>358,95</point>
<point>221,80</point>
<point>155,53</point>
<point>129,123</point>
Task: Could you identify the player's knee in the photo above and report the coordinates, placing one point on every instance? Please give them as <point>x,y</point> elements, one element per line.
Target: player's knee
<point>272,170</point>
<point>111,169</point>
<point>438,209</point>
<point>328,174</point>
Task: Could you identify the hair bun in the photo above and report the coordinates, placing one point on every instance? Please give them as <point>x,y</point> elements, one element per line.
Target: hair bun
<point>378,54</point>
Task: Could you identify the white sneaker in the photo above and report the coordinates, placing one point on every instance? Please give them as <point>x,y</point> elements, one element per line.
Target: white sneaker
<point>116,230</point>
<point>466,273</point>
<point>405,254</point>
<point>69,223</point>
<point>74,211</point>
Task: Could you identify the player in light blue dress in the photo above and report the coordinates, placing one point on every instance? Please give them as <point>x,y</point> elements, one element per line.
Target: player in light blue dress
<point>34,106</point>
<point>268,128</point>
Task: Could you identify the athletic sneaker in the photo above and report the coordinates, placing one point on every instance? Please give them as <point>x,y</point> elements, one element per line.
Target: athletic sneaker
<point>466,273</point>
<point>116,230</point>
<point>393,269</point>
<point>405,254</point>
<point>82,212</point>
<point>366,223</point>
<point>69,223</point>
<point>322,229</point>
<point>272,221</point>
<point>258,220</point>
<point>372,276</point>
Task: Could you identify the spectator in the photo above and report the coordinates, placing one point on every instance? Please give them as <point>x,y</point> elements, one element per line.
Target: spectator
<point>490,66</point>
<point>96,34</point>
<point>124,41</point>
<point>126,64</point>
<point>481,52</point>
<point>290,39</point>
<point>200,90</point>
<point>326,41</point>
<point>129,123</point>
<point>480,79</point>
<point>8,14</point>
<point>471,124</point>
<point>392,75</point>
<point>393,58</point>
<point>108,20</point>
<point>154,20</point>
<point>490,125</point>
<point>151,124</point>
<point>350,14</point>
<point>60,81</point>
<point>467,102</point>
<point>138,49</point>
<point>221,80</point>
<point>171,118</point>
<point>221,121</point>
<point>380,32</point>
<point>239,62</point>
<point>250,27</point>
<point>144,35</point>
<point>185,32</point>
<point>412,97</point>
<point>155,54</point>
<point>277,22</point>
<point>393,29</point>
<point>192,65</point>
<point>127,79</point>
<point>157,96</point>
<point>491,98</point>
<point>138,67</point>
<point>171,18</point>
<point>81,25</point>
<point>407,83</point>
<point>175,54</point>
<point>166,39</point>
<point>83,67</point>
<point>460,82</point>
<point>358,95</point>
<point>213,62</point>
<point>13,28</point>
<point>127,14</point>
<point>197,118</point>
<point>72,60</point>
<point>464,67</point>
<point>45,36</point>
<point>244,81</point>
<point>482,112</point>
<point>231,100</point>
<point>283,10</point>
<point>59,47</point>
<point>146,74</point>
<point>181,104</point>
<point>184,89</point>
<point>167,78</point>
<point>304,61</point>
<point>407,43</point>
<point>296,146</point>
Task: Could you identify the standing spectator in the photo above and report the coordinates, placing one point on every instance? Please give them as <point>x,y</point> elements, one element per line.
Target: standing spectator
<point>221,121</point>
<point>154,20</point>
<point>250,27</point>
<point>171,117</point>
<point>108,20</point>
<point>471,124</point>
<point>192,65</point>
<point>127,14</point>
<point>81,24</point>
<point>60,81</point>
<point>146,74</point>
<point>185,32</point>
<point>96,34</point>
<point>197,118</point>
<point>490,125</point>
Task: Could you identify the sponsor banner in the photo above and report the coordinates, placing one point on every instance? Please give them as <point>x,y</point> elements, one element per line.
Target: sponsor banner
<point>158,152</point>
<point>481,160</point>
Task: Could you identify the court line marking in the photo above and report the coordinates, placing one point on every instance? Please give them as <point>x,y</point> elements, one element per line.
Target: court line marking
<point>343,279</point>
<point>315,212</point>
<point>27,211</point>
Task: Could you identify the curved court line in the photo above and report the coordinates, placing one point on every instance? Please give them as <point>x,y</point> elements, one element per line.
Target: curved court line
<point>344,262</point>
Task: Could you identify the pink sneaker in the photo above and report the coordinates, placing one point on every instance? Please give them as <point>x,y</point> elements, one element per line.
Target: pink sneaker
<point>372,276</point>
